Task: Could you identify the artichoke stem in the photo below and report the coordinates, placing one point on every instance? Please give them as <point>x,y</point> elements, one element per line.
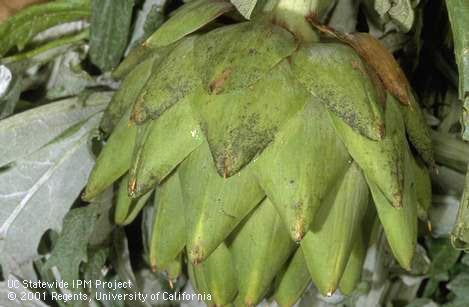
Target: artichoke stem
<point>292,15</point>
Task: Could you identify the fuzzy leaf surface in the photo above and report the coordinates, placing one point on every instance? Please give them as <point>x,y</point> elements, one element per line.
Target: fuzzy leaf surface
<point>71,247</point>
<point>11,85</point>
<point>27,132</point>
<point>67,78</point>
<point>148,19</point>
<point>43,185</point>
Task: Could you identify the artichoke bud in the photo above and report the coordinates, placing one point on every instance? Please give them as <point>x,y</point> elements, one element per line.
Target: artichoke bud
<point>266,145</point>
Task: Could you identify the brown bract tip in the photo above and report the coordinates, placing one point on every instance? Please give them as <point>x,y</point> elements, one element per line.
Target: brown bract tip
<point>138,116</point>
<point>381,130</point>
<point>216,85</point>
<point>429,226</point>
<point>225,171</point>
<point>132,187</point>
<point>225,165</point>
<point>312,18</point>
<point>85,196</point>
<point>248,303</point>
<point>397,200</point>
<point>299,230</point>
<point>196,255</point>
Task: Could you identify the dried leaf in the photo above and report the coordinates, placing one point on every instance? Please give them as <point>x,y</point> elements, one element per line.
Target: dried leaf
<point>377,56</point>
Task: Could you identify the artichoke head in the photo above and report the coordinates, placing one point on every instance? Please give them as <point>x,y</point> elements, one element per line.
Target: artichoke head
<point>286,146</point>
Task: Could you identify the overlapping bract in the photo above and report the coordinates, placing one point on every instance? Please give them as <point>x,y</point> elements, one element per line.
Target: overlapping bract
<point>267,156</point>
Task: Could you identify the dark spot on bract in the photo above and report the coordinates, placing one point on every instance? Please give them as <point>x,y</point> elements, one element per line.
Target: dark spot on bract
<point>216,86</point>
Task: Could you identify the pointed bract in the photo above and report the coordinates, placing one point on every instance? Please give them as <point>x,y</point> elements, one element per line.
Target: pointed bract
<point>214,205</point>
<point>196,279</point>
<point>165,245</point>
<point>113,160</point>
<point>293,282</point>
<point>400,224</point>
<point>423,188</point>
<point>381,161</point>
<point>174,80</point>
<point>124,98</point>
<point>219,276</point>
<point>260,249</point>
<point>300,166</point>
<point>354,268</point>
<point>336,76</point>
<point>328,244</point>
<point>127,209</point>
<point>173,270</point>
<point>418,131</point>
<point>239,125</point>
<point>167,142</point>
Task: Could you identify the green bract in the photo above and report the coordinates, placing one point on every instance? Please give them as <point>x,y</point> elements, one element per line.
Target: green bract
<point>268,152</point>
